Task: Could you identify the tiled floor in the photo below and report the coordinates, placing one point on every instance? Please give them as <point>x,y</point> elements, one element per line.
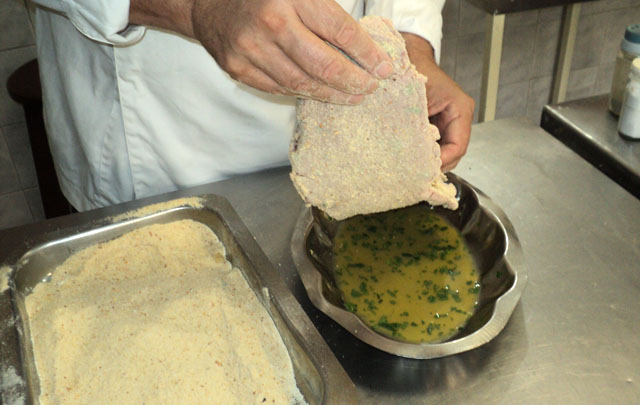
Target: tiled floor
<point>20,201</point>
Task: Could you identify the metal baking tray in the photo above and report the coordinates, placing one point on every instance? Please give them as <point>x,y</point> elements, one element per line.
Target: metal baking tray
<point>33,252</point>
<point>492,241</point>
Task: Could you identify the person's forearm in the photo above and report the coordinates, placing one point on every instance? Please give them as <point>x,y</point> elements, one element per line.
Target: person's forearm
<point>420,52</point>
<point>173,15</point>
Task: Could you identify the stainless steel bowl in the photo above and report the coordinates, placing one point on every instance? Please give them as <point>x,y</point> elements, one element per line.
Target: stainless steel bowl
<point>492,241</point>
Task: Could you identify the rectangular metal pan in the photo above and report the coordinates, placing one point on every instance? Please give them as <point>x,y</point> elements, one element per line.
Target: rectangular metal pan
<point>31,253</point>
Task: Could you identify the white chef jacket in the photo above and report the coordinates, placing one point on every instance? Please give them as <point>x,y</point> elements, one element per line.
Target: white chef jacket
<point>133,111</point>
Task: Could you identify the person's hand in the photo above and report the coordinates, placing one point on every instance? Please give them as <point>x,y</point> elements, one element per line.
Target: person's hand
<point>450,108</point>
<point>278,46</point>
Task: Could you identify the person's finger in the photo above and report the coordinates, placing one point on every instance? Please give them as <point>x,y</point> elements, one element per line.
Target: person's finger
<point>454,140</point>
<point>325,64</point>
<point>331,22</point>
<point>293,80</point>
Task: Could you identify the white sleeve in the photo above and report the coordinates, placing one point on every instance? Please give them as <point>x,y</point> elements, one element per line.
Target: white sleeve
<point>419,17</point>
<point>105,21</point>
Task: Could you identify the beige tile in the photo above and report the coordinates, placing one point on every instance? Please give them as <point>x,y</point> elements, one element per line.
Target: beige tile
<point>450,18</point>
<point>17,138</point>
<point>34,200</point>
<point>472,19</point>
<point>469,53</point>
<point>15,30</point>
<point>517,47</point>
<point>9,181</point>
<point>581,83</point>
<point>512,100</point>
<point>14,210</point>
<point>10,111</point>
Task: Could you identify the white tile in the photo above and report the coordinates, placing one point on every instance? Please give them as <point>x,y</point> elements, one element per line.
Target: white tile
<point>15,30</point>
<point>17,138</point>
<point>14,210</point>
<point>10,60</point>
<point>9,181</point>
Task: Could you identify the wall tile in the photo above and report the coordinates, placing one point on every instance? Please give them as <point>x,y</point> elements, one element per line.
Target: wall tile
<point>469,52</point>
<point>589,42</point>
<point>521,19</point>
<point>34,200</point>
<point>17,138</point>
<point>512,100</point>
<point>9,181</point>
<point>15,31</point>
<point>616,22</point>
<point>14,210</point>
<point>517,47</point>
<point>546,48</point>
<point>595,7</point>
<point>450,18</point>
<point>539,94</point>
<point>550,14</point>
<point>604,79</point>
<point>10,111</point>
<point>581,83</point>
<point>472,19</point>
<point>448,56</point>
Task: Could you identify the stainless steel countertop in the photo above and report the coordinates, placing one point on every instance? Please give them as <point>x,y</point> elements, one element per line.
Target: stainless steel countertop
<point>587,127</point>
<point>512,6</point>
<point>573,338</point>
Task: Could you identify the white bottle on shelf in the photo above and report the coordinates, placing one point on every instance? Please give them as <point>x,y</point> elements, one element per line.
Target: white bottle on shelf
<point>629,122</point>
<point>629,50</point>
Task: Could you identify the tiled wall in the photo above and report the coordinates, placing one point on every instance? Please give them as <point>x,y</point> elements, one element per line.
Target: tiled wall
<point>19,196</point>
<point>529,52</point>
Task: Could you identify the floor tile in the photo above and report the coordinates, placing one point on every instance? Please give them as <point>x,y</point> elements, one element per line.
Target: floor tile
<point>34,200</point>
<point>10,111</point>
<point>17,138</point>
<point>14,210</point>
<point>9,181</point>
<point>16,30</point>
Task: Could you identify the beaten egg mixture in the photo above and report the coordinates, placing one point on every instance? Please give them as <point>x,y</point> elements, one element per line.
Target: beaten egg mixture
<point>406,273</point>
